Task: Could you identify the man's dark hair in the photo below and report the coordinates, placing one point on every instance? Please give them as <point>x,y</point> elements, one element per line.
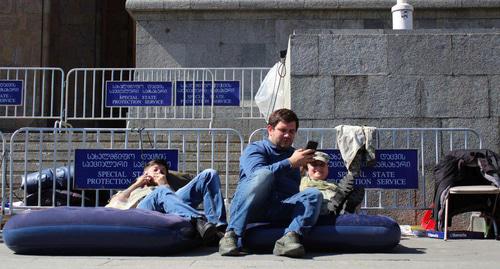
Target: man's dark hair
<point>284,115</point>
<point>157,162</point>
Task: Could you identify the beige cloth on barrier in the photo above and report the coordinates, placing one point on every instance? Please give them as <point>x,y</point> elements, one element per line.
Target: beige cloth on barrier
<point>352,139</point>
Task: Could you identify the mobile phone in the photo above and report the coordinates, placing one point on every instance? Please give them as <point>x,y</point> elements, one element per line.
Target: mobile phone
<point>312,145</point>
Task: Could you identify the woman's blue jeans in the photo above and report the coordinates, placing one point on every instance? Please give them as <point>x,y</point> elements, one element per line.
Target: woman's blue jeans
<point>204,188</point>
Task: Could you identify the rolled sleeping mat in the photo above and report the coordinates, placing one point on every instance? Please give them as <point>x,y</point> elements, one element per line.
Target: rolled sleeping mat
<point>46,178</point>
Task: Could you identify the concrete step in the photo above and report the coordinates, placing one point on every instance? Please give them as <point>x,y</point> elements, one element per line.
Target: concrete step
<point>246,110</point>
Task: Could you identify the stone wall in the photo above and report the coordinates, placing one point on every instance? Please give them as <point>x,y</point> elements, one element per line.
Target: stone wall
<point>249,33</point>
<point>386,78</point>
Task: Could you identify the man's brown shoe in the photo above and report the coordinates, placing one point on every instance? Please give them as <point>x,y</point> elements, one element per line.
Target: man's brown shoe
<point>228,245</point>
<point>289,245</point>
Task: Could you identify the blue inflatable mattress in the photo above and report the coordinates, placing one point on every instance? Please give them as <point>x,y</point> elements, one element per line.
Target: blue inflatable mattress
<point>98,231</point>
<point>349,232</point>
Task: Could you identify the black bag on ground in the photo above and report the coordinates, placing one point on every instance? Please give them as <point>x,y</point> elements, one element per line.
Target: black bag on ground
<point>465,168</point>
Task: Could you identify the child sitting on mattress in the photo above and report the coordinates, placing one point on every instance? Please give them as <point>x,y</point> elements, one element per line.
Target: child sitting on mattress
<point>335,197</point>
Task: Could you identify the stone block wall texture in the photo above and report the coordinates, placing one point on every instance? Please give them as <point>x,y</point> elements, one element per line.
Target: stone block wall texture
<point>389,78</point>
<point>249,33</point>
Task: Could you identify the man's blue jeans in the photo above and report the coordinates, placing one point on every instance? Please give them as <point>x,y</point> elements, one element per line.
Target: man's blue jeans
<point>205,187</point>
<point>255,201</point>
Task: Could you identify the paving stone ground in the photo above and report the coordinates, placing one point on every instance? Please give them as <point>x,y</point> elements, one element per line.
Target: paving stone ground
<point>411,253</point>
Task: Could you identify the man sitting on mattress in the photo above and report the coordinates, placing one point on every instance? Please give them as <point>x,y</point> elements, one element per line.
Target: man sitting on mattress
<point>152,191</point>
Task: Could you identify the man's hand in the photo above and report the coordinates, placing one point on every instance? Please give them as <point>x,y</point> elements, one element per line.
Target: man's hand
<point>158,179</point>
<point>144,180</point>
<point>122,197</point>
<point>151,179</point>
<point>301,157</point>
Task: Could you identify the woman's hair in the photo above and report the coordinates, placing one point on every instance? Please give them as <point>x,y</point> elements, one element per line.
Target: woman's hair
<point>156,162</point>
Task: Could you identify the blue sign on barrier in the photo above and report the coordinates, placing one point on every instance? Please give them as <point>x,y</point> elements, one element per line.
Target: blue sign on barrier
<point>226,93</point>
<point>138,93</point>
<point>116,168</point>
<point>11,92</point>
<point>394,169</point>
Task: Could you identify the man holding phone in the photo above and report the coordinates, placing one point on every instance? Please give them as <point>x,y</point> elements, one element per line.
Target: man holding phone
<point>268,189</point>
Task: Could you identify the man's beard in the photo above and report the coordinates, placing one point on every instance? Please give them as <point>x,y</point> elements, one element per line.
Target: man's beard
<point>284,145</point>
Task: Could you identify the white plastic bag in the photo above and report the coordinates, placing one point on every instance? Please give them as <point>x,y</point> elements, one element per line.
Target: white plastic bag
<point>271,93</point>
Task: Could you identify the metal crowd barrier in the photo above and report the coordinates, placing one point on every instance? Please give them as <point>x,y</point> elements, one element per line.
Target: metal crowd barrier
<point>42,90</point>
<point>85,97</point>
<point>250,79</point>
<point>81,94</point>
<point>3,175</point>
<point>35,149</point>
<point>431,144</point>
<point>85,93</point>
